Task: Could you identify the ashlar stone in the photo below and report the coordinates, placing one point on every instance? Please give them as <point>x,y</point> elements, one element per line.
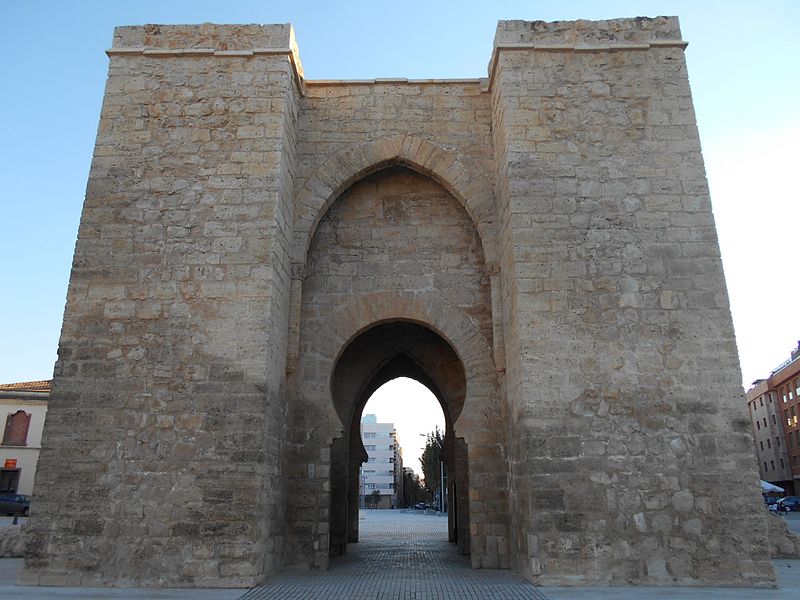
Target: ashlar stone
<point>259,251</point>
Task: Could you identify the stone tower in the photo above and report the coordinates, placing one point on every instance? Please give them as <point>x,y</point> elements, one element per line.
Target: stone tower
<point>259,251</point>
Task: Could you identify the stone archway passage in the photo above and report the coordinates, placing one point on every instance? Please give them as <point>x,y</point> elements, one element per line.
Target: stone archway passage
<point>398,254</point>
<point>377,355</point>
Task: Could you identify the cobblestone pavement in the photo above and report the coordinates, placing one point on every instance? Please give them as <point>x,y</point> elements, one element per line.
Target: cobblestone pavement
<point>400,556</point>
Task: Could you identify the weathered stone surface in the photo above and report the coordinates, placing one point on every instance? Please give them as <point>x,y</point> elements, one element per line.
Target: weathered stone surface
<point>12,542</point>
<point>258,251</point>
<point>783,543</point>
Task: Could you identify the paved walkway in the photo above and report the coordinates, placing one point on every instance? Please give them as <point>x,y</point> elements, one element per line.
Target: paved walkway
<point>402,556</point>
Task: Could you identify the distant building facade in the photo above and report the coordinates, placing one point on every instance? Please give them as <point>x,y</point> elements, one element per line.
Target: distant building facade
<point>23,407</point>
<point>383,472</point>
<point>774,413</point>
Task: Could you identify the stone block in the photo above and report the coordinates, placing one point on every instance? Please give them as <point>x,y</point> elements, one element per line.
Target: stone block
<point>539,247</point>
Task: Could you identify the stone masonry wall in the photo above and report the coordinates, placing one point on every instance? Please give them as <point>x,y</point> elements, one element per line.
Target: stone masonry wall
<point>163,451</point>
<point>622,378</point>
<point>336,116</point>
<point>557,234</point>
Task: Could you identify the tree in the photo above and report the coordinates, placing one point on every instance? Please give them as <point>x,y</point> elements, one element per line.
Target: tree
<point>412,488</point>
<point>376,498</point>
<point>429,461</point>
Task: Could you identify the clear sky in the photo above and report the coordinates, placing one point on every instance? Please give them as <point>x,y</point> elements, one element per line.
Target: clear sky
<point>413,409</point>
<point>743,58</point>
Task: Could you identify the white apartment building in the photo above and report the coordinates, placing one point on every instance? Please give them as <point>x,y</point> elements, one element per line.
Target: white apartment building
<point>384,469</point>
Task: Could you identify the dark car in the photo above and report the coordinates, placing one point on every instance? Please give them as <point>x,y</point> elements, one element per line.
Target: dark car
<point>789,503</point>
<point>422,506</point>
<point>14,504</point>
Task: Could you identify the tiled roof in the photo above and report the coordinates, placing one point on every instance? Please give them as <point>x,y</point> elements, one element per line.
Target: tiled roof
<point>26,386</point>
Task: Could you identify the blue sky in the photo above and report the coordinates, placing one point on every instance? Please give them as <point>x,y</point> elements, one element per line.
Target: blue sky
<point>743,62</point>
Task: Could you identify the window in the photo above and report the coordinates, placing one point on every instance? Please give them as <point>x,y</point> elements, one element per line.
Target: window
<point>762,445</point>
<point>772,464</point>
<point>765,421</point>
<point>9,481</point>
<point>765,466</point>
<point>369,435</point>
<point>774,420</point>
<point>758,425</point>
<point>778,441</point>
<point>16,431</point>
<point>769,398</point>
<point>797,387</point>
<point>768,444</point>
<point>369,447</point>
<point>797,435</point>
<point>782,465</point>
<point>761,401</point>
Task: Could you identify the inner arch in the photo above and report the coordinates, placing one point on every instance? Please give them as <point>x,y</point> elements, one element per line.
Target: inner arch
<point>378,355</point>
<point>397,349</point>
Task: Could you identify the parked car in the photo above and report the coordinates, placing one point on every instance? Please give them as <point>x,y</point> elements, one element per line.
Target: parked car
<point>422,506</point>
<point>15,504</point>
<point>789,503</point>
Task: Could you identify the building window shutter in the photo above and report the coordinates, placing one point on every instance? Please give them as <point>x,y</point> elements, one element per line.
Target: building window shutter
<point>16,431</point>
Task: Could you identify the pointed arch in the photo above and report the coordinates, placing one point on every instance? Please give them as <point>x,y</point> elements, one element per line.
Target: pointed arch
<point>438,315</point>
<point>453,172</point>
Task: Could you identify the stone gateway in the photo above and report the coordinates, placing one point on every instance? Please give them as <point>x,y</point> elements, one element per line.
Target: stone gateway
<point>258,252</point>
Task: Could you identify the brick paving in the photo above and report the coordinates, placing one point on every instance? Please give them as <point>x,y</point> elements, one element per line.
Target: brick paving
<point>400,556</point>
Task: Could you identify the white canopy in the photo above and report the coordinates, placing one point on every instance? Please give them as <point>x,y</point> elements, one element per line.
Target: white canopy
<point>768,487</point>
